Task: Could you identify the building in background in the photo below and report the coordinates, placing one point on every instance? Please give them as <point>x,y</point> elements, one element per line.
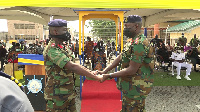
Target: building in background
<point>31,32</point>
<point>3,35</point>
<point>25,30</point>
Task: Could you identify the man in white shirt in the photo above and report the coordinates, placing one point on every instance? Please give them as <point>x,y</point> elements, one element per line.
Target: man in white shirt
<point>178,57</point>
<point>12,98</point>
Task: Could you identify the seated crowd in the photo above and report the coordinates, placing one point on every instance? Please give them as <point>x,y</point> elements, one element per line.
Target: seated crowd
<point>181,55</point>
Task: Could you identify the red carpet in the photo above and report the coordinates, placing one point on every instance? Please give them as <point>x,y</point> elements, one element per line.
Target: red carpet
<point>100,97</point>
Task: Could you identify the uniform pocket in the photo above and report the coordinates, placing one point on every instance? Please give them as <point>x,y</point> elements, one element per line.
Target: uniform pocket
<point>66,89</point>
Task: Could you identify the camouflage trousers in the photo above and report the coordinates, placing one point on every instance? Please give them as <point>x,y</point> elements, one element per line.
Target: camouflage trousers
<point>61,106</point>
<point>132,105</point>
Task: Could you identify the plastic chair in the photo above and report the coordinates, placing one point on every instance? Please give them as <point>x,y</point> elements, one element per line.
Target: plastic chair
<point>174,67</point>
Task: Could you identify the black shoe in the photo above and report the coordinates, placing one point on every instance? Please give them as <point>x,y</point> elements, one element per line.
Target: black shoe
<point>196,70</point>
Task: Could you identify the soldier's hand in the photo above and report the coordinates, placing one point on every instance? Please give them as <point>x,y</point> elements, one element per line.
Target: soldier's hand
<point>95,72</point>
<point>100,78</point>
<point>101,72</point>
<point>105,77</point>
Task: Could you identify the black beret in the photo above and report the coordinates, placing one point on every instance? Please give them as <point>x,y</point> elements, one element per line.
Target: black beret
<point>133,19</point>
<point>57,23</point>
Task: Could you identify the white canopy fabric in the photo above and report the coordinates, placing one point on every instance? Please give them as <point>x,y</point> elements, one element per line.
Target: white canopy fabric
<point>42,14</point>
<point>154,4</point>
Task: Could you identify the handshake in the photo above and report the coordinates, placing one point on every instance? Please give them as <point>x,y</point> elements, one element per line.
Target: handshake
<point>101,76</point>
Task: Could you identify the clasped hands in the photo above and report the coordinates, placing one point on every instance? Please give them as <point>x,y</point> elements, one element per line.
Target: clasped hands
<point>100,76</point>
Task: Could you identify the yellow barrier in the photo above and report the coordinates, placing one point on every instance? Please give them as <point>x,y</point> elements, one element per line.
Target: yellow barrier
<point>19,74</point>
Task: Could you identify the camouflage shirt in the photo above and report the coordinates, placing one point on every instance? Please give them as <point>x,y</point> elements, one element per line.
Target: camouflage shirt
<point>60,83</point>
<point>139,84</point>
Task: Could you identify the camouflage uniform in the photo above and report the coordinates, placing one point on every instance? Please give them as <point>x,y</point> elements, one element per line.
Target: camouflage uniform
<point>136,87</point>
<point>59,91</point>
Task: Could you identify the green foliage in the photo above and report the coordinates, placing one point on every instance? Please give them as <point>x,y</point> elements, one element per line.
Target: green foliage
<point>102,28</point>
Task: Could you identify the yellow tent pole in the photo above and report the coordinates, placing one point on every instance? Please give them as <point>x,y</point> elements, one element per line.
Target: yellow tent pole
<point>83,24</point>
<point>116,22</point>
<point>122,29</point>
<point>80,20</point>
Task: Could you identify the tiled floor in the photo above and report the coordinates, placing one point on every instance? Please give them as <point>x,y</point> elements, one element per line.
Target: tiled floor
<point>173,99</point>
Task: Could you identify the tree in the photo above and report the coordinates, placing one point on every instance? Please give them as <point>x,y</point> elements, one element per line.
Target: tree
<point>103,29</point>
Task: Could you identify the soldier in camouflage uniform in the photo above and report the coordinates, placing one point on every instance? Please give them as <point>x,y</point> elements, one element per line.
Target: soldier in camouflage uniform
<point>59,91</point>
<point>135,78</point>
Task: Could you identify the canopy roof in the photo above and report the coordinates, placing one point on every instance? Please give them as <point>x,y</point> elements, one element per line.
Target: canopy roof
<point>184,27</point>
<point>152,12</point>
<point>161,4</point>
<point>42,14</point>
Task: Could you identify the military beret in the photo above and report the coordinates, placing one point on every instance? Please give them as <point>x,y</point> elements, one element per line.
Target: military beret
<point>57,23</point>
<point>133,19</point>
